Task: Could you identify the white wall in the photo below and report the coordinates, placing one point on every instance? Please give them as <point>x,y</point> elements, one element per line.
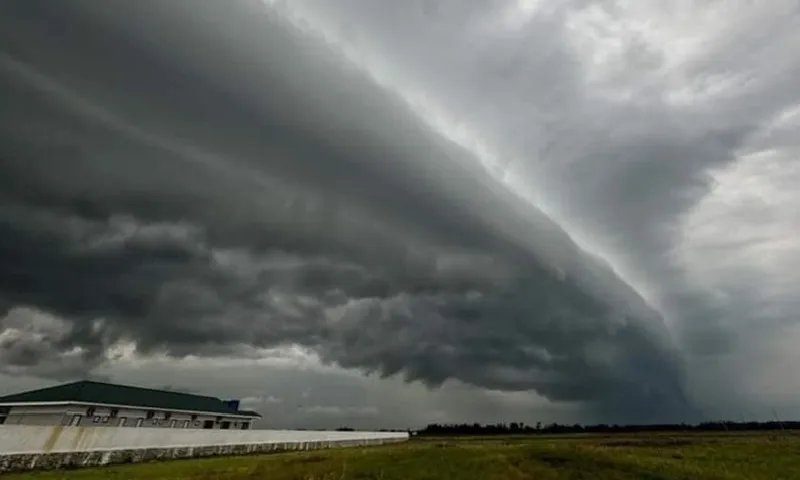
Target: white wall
<point>27,439</point>
<point>42,415</point>
<point>63,415</point>
<point>34,419</point>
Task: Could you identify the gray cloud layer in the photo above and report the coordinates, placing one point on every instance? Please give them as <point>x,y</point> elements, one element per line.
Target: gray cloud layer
<point>664,134</point>
<point>200,176</point>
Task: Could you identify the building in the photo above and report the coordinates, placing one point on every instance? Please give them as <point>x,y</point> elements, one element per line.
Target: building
<point>98,404</point>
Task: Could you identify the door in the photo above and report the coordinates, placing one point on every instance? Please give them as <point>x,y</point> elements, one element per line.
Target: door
<point>139,422</point>
<point>76,419</point>
<point>172,423</point>
<point>122,421</point>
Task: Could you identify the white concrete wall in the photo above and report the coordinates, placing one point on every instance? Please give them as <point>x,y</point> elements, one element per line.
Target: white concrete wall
<point>43,415</point>
<point>27,439</point>
<point>34,419</point>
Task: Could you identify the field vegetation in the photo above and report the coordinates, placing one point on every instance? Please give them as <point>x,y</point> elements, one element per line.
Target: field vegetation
<point>650,456</point>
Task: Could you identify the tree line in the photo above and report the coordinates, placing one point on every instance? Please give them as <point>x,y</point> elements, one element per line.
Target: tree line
<point>515,428</point>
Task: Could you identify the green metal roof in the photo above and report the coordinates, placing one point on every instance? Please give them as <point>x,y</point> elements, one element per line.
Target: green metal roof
<point>86,391</point>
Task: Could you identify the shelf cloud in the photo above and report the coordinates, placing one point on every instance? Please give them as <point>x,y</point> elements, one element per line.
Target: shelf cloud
<point>202,178</point>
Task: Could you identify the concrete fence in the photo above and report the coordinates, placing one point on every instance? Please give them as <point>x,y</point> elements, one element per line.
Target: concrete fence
<point>34,447</point>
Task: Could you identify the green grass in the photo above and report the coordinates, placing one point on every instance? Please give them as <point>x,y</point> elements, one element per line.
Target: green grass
<point>639,457</point>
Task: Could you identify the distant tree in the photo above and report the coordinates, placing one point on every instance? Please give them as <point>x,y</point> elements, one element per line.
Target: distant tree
<point>516,428</point>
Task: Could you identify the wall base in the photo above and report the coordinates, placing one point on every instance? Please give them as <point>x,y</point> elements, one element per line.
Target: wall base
<point>49,460</point>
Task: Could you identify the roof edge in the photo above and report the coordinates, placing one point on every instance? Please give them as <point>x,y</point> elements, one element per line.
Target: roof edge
<point>239,414</point>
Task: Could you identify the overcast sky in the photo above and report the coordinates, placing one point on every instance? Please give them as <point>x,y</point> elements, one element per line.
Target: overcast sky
<point>390,213</point>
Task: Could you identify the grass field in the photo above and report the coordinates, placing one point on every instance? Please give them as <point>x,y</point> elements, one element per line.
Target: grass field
<point>640,457</point>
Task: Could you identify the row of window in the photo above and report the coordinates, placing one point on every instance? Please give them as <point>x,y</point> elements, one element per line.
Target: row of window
<point>150,415</point>
<point>225,425</point>
<point>91,410</point>
<point>123,421</point>
<point>206,424</point>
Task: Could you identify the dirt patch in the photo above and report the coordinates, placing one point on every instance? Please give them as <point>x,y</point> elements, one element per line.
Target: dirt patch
<point>308,459</point>
<point>552,459</point>
<point>652,442</point>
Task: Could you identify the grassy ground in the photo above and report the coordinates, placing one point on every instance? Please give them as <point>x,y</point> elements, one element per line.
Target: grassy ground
<point>640,457</point>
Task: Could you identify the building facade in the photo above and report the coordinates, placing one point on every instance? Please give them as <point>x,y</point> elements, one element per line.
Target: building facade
<point>98,404</point>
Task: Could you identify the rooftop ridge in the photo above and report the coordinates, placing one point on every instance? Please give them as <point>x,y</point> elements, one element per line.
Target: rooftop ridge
<point>149,389</point>
<point>93,391</point>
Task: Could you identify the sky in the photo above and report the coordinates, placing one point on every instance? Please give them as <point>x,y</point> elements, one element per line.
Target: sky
<point>385,214</point>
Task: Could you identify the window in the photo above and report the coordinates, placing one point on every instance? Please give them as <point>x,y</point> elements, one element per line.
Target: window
<point>167,415</point>
<point>245,425</point>
<point>114,412</point>
<point>2,420</point>
<point>96,419</point>
<point>90,412</point>
<point>105,419</point>
<point>194,418</point>
<point>150,414</point>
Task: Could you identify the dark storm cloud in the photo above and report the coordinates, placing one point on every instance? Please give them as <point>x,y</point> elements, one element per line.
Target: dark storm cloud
<point>195,176</point>
<point>659,131</point>
<point>32,343</point>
